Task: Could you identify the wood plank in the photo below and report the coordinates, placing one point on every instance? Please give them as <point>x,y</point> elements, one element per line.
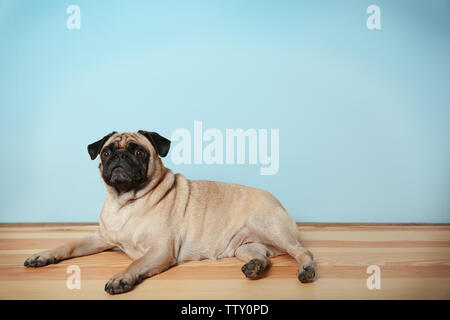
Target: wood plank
<point>414,262</point>
<point>276,289</point>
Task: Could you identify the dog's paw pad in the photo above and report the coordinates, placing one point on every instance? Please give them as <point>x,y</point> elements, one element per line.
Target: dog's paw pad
<point>253,268</point>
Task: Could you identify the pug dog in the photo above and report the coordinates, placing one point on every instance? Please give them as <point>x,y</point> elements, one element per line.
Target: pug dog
<point>161,219</point>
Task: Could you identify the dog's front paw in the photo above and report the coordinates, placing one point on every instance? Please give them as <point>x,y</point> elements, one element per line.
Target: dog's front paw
<point>120,283</point>
<point>41,259</point>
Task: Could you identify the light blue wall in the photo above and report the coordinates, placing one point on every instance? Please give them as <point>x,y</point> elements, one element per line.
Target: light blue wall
<point>363,114</point>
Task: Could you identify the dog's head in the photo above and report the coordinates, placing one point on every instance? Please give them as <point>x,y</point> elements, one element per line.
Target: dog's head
<point>127,159</point>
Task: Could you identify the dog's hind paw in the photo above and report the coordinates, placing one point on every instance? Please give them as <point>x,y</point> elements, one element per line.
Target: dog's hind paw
<point>306,273</point>
<point>253,269</point>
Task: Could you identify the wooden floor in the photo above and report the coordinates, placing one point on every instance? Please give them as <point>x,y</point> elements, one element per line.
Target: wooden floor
<point>414,261</point>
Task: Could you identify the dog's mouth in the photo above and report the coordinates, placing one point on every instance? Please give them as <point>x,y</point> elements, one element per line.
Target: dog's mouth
<point>119,175</point>
<point>122,176</point>
<point>117,169</point>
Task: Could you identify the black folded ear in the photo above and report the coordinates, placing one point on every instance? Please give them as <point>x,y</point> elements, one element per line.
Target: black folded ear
<point>94,148</point>
<point>161,144</point>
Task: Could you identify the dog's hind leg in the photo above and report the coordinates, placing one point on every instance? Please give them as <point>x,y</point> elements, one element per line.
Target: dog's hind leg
<point>304,258</point>
<point>280,231</point>
<point>255,254</point>
<point>306,272</point>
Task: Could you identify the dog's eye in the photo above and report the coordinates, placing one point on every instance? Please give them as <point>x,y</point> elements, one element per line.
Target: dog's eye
<point>106,154</point>
<point>139,153</point>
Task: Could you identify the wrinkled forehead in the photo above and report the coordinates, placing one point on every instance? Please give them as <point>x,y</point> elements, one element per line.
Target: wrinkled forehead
<point>122,139</point>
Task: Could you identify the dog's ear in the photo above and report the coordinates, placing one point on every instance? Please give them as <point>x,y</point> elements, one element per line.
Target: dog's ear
<point>161,144</point>
<point>94,148</point>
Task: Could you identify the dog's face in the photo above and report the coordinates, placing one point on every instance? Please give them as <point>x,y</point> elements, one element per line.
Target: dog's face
<point>125,158</point>
<point>124,167</point>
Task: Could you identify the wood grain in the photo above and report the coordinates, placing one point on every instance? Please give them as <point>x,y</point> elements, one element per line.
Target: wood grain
<point>414,261</point>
